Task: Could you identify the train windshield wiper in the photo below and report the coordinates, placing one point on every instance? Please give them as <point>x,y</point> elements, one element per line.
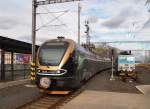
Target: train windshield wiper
<point>47,64</point>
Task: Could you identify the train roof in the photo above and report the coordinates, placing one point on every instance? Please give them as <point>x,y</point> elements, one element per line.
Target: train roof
<point>71,42</point>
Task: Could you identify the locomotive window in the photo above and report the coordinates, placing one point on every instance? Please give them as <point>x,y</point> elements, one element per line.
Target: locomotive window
<point>51,55</point>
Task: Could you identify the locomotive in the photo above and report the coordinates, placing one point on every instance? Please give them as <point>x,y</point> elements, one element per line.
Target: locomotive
<point>64,65</point>
<point>125,66</point>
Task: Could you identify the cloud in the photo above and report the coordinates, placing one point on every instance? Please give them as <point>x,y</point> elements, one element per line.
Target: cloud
<point>146,24</point>
<point>122,17</point>
<point>109,19</point>
<point>8,22</point>
<point>25,38</point>
<point>93,19</point>
<point>114,22</point>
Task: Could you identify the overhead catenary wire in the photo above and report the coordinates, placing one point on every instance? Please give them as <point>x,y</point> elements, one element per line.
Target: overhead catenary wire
<point>52,12</point>
<point>42,23</point>
<point>57,18</point>
<point>45,25</point>
<point>148,20</point>
<point>66,26</point>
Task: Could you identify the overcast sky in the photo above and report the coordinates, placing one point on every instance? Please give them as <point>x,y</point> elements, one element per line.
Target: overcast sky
<point>110,20</point>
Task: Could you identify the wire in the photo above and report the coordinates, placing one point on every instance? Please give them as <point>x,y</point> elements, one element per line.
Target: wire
<point>53,12</point>
<point>55,25</point>
<point>41,20</point>
<point>50,21</point>
<point>58,19</point>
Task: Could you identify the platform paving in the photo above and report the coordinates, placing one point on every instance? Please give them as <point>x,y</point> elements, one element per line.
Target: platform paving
<point>101,93</point>
<point>145,89</point>
<point>13,83</point>
<point>17,93</point>
<point>108,100</point>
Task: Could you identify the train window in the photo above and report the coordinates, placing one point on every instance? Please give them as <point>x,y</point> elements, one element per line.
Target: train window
<point>73,56</point>
<point>51,55</point>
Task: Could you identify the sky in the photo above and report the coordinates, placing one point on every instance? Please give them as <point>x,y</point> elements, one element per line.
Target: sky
<point>109,20</point>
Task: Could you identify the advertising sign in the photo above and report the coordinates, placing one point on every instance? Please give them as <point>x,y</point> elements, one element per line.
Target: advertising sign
<point>22,58</point>
<point>19,58</point>
<point>26,58</point>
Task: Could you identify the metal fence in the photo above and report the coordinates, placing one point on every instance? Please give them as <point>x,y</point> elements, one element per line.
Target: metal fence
<point>12,68</point>
<point>142,56</point>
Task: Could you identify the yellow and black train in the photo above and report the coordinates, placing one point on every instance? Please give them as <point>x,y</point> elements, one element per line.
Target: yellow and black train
<point>63,65</point>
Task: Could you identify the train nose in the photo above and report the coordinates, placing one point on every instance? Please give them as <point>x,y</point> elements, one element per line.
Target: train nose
<point>45,82</point>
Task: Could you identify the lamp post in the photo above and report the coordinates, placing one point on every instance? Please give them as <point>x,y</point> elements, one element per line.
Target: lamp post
<point>112,63</point>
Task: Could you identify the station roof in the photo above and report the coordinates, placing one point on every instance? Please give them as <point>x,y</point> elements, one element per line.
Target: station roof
<point>17,46</point>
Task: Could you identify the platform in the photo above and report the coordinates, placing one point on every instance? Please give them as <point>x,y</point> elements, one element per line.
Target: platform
<point>145,89</point>
<point>108,100</point>
<point>17,93</point>
<point>13,83</point>
<point>101,93</point>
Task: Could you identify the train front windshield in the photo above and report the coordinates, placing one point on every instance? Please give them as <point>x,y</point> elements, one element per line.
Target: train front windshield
<point>51,54</point>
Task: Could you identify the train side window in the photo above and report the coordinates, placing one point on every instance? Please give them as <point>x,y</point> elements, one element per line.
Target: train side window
<point>76,53</point>
<point>74,56</point>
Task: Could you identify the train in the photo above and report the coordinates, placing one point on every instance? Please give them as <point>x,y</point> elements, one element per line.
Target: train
<point>64,65</point>
<point>125,66</point>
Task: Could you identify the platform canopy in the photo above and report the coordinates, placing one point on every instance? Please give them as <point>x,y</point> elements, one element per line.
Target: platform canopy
<point>8,44</point>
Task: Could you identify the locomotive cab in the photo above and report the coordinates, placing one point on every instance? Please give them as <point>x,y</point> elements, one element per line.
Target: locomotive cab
<point>56,65</point>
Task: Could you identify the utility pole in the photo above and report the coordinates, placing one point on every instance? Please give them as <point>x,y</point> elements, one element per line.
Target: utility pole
<point>34,6</point>
<point>33,64</point>
<point>79,12</point>
<point>148,3</point>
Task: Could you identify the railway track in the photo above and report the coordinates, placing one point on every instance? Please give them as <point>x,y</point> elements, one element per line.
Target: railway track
<point>46,102</point>
<point>50,101</point>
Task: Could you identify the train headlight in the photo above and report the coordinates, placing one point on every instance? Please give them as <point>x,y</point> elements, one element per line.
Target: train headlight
<point>45,82</point>
<point>61,71</point>
<point>58,71</point>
